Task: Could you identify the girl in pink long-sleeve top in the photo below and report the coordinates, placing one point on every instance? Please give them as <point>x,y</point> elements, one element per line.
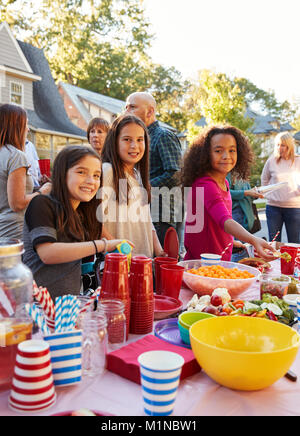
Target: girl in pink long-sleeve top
<point>209,225</point>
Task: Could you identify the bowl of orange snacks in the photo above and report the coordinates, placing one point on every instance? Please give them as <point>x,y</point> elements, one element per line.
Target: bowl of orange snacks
<point>236,278</point>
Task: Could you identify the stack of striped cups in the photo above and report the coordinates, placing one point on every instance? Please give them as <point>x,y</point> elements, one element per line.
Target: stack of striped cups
<point>142,298</point>
<point>115,283</point>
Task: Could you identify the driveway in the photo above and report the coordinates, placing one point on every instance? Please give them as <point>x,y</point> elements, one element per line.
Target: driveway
<point>264,228</point>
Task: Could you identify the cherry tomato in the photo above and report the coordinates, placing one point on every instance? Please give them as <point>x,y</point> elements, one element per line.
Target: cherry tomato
<point>216,300</point>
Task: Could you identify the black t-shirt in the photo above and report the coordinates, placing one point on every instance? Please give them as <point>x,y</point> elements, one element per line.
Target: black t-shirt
<point>40,226</point>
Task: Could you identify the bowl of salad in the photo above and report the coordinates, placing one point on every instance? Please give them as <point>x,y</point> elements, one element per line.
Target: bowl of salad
<point>220,303</point>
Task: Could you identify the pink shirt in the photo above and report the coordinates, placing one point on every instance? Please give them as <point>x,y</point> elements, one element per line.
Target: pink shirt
<point>283,171</point>
<point>207,211</point>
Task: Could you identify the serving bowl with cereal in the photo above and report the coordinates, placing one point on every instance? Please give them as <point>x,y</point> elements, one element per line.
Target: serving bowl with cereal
<point>236,278</point>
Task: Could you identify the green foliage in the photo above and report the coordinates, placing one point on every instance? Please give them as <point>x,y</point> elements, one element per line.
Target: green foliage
<point>296,123</point>
<point>284,112</point>
<point>223,101</point>
<point>100,45</point>
<point>220,101</point>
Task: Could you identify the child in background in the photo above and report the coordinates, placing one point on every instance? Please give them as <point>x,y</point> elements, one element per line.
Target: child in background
<point>126,190</point>
<point>215,153</point>
<point>60,229</point>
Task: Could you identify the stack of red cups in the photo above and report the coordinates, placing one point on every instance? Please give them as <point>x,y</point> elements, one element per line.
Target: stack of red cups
<point>142,298</point>
<point>115,284</point>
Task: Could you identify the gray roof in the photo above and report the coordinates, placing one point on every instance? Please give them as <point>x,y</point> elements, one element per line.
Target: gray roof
<point>112,105</point>
<point>49,111</point>
<point>297,136</point>
<point>262,123</point>
<point>77,94</point>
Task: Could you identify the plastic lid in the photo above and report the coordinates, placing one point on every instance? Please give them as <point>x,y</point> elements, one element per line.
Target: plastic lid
<point>125,248</point>
<point>10,247</point>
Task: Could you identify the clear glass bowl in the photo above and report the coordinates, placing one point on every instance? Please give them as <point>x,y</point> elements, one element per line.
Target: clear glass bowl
<point>205,285</point>
<point>274,284</point>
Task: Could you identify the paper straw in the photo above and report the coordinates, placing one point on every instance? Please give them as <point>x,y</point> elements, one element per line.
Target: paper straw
<point>63,311</point>
<point>92,299</point>
<point>44,299</point>
<point>70,306</point>
<point>37,317</point>
<point>75,313</point>
<point>58,304</point>
<point>49,305</point>
<point>227,248</point>
<point>6,304</point>
<point>275,237</point>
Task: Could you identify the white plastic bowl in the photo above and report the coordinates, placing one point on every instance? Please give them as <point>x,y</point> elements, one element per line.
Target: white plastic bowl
<point>205,285</point>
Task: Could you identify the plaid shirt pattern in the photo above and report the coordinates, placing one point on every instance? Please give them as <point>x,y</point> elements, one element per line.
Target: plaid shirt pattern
<point>165,161</point>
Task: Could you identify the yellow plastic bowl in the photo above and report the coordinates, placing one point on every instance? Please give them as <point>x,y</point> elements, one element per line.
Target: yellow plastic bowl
<point>242,352</point>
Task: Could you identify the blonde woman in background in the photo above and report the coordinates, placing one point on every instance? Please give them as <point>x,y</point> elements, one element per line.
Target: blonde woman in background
<point>283,205</point>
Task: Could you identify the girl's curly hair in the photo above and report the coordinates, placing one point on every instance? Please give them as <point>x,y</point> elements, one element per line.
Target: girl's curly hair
<point>197,158</point>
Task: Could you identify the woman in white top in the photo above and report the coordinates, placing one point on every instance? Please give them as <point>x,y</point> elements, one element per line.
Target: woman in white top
<point>16,184</point>
<point>126,192</point>
<point>283,205</point>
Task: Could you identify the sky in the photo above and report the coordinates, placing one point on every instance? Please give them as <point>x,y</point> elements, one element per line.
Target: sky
<point>257,39</point>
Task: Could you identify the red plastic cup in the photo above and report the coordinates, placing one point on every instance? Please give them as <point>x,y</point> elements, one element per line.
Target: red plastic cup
<point>171,280</point>
<point>141,279</point>
<point>116,262</point>
<point>297,266</point>
<point>287,268</point>
<point>115,283</point>
<point>44,165</point>
<point>141,317</point>
<point>158,261</point>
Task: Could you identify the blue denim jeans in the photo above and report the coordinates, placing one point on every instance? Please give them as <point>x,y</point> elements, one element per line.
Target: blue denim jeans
<point>277,216</point>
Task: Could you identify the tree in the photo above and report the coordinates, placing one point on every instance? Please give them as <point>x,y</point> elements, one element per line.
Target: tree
<point>267,101</point>
<point>220,100</point>
<point>100,45</point>
<point>216,98</point>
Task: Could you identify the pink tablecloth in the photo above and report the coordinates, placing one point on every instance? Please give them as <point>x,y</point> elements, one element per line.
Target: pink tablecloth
<point>197,395</point>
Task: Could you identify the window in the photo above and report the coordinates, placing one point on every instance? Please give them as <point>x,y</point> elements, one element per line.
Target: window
<point>16,93</point>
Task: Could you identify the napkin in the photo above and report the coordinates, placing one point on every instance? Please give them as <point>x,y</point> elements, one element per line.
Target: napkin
<point>124,361</point>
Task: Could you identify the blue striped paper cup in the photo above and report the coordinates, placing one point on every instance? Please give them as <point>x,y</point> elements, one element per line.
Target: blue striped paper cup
<point>210,259</point>
<point>160,376</point>
<point>66,357</point>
